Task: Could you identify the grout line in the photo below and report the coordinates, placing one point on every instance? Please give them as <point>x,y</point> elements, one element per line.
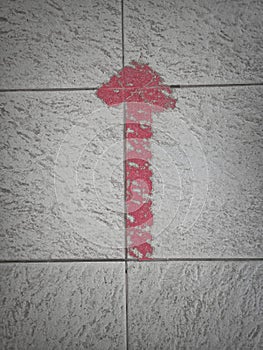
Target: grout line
<point>125,186</point>
<point>198,259</point>
<point>70,89</point>
<point>124,126</point>
<point>43,261</point>
<point>122,32</point>
<point>126,305</point>
<point>50,89</point>
<point>76,260</point>
<point>189,86</point>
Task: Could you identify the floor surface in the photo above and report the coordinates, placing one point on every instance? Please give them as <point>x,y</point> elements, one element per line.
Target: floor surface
<point>66,280</point>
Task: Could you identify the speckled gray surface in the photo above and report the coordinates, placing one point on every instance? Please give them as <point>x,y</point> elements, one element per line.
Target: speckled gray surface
<point>53,149</point>
<point>197,42</point>
<point>205,305</point>
<point>62,306</point>
<point>208,156</point>
<point>61,199</point>
<point>62,183</point>
<point>58,43</point>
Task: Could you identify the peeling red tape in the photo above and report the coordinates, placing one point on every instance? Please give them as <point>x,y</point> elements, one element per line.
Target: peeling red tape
<point>141,88</point>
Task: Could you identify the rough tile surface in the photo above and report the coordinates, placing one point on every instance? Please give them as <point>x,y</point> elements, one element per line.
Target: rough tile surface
<point>206,305</point>
<point>59,43</point>
<point>208,175</point>
<point>61,176</point>
<point>62,306</point>
<point>197,42</point>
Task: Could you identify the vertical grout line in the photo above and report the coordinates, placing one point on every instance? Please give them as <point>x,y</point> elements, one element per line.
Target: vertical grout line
<point>122,32</point>
<point>126,304</point>
<point>124,131</point>
<point>125,229</point>
<point>124,172</point>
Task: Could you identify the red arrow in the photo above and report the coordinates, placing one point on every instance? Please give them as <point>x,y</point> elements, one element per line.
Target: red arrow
<point>142,90</point>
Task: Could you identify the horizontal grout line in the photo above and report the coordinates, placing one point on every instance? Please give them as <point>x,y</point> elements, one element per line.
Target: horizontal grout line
<point>198,259</point>
<point>182,86</point>
<point>50,89</point>
<point>178,86</point>
<point>73,260</point>
<point>39,261</point>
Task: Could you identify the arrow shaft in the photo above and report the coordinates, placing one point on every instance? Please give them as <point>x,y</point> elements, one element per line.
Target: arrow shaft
<point>138,173</point>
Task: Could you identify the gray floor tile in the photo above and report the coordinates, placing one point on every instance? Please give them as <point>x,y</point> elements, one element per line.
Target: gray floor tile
<point>62,306</point>
<point>59,43</point>
<point>208,176</point>
<point>62,188</point>
<point>196,42</point>
<point>204,305</point>
<point>60,183</point>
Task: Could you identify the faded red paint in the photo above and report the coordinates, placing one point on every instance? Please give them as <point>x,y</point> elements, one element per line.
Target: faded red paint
<point>138,83</point>
<point>139,178</point>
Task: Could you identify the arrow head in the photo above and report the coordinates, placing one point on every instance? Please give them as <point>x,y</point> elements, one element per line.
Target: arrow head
<point>137,83</point>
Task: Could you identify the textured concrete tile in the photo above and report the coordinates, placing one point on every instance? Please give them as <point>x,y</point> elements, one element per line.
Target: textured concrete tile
<point>59,43</point>
<point>62,306</point>
<point>60,183</point>
<point>197,42</point>
<point>208,175</point>
<point>208,305</point>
